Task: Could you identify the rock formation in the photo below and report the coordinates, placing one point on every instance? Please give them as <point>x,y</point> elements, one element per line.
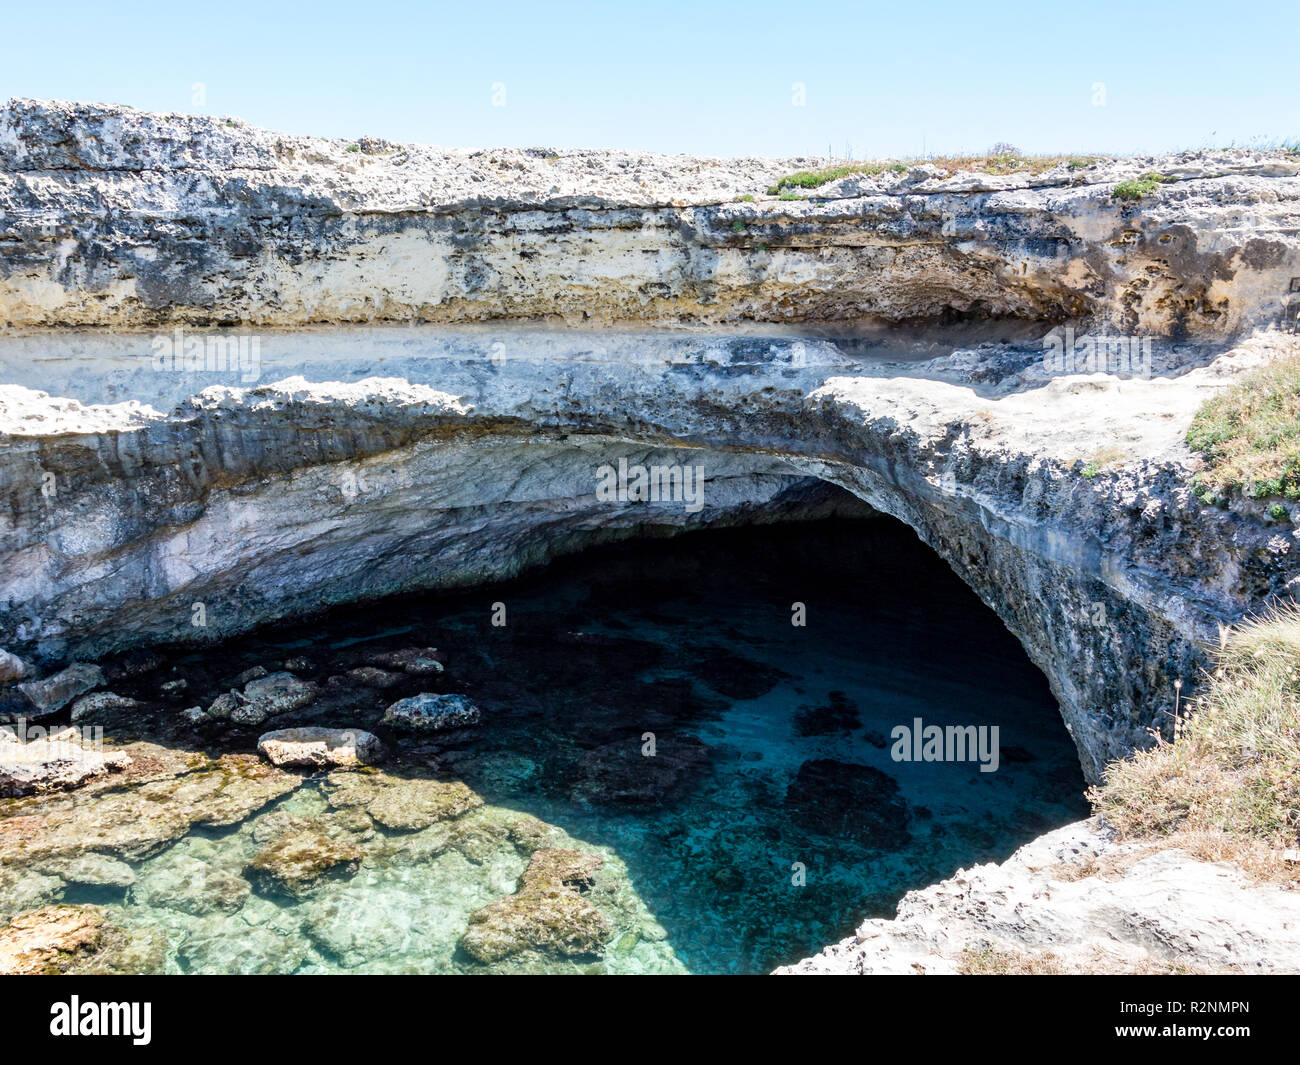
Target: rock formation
<point>237,450</point>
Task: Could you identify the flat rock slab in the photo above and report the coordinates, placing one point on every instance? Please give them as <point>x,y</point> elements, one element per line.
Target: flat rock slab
<point>52,694</point>
<point>318,748</point>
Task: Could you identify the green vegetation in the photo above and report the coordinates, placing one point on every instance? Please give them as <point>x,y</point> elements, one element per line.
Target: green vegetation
<point>1140,187</point>
<point>1250,436</point>
<point>747,198</point>
<point>1229,785</point>
<point>738,226</point>
<point>789,196</point>
<point>1100,459</point>
<point>1000,159</point>
<point>353,148</point>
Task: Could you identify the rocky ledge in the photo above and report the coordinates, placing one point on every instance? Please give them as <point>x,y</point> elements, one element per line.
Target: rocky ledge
<point>1075,901</point>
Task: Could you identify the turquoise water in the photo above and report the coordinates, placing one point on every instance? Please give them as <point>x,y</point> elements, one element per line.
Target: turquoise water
<point>772,753</point>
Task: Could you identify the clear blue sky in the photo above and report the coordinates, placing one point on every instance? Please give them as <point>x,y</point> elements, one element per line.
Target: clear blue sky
<point>714,78</point>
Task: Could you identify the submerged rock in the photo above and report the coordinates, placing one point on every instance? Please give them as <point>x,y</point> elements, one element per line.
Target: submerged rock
<point>298,862</point>
<point>171,793</point>
<point>314,748</point>
<point>52,694</point>
<point>77,939</point>
<point>189,885</point>
<point>417,661</point>
<point>91,870</point>
<point>844,799</point>
<point>428,712</point>
<point>619,774</point>
<point>370,677</point>
<point>837,714</point>
<point>410,805</point>
<point>546,914</point>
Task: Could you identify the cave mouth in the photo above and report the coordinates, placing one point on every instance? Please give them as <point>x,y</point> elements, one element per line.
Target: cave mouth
<point>771,818</point>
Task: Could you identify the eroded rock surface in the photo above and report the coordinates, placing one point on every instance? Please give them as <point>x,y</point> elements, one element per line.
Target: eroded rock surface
<point>1075,901</point>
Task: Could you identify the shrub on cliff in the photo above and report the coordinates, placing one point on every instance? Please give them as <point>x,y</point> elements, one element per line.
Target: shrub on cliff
<point>1250,436</point>
<point>1233,775</point>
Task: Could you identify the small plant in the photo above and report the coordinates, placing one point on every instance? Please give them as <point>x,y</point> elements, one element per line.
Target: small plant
<point>1080,162</point>
<point>1249,435</point>
<point>738,226</point>
<point>353,148</point>
<point>747,198</point>
<point>1139,188</point>
<point>1100,459</point>
<point>789,196</point>
<point>1278,512</point>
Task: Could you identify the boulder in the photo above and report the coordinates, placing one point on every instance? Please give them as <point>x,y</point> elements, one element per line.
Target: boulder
<point>370,677</point>
<point>52,694</point>
<point>316,748</point>
<point>12,668</point>
<point>267,696</point>
<point>417,661</point>
<point>431,713</point>
<point>98,704</point>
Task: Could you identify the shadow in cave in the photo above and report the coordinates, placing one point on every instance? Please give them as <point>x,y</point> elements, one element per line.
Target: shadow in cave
<point>773,742</point>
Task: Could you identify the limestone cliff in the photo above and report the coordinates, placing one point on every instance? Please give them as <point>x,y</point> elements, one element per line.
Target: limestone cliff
<point>346,463</point>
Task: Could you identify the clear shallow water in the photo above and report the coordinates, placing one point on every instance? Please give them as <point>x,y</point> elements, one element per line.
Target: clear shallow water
<point>762,732</point>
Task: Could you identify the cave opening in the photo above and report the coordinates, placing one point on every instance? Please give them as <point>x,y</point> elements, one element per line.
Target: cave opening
<point>735,721</point>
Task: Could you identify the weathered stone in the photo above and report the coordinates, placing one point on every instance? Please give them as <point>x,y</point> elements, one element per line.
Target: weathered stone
<point>90,708</point>
<point>409,805</point>
<point>316,748</point>
<point>414,660</point>
<point>429,713</point>
<point>12,668</point>
<point>180,882</point>
<point>297,863</point>
<point>1055,904</point>
<point>52,694</point>
<point>547,913</point>
<point>268,696</point>
<point>52,765</point>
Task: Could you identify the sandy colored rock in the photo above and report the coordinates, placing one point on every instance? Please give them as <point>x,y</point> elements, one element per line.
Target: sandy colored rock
<point>316,748</point>
<point>410,805</point>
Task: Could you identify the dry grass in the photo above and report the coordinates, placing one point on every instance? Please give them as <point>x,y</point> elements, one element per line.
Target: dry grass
<point>1100,459</point>
<point>1250,435</point>
<point>1229,787</point>
<point>992,162</point>
<point>991,961</point>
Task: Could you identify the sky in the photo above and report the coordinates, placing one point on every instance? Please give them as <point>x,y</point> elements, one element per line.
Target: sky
<point>866,80</point>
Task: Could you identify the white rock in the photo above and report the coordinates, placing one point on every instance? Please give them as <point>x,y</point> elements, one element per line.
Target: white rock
<point>314,747</point>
